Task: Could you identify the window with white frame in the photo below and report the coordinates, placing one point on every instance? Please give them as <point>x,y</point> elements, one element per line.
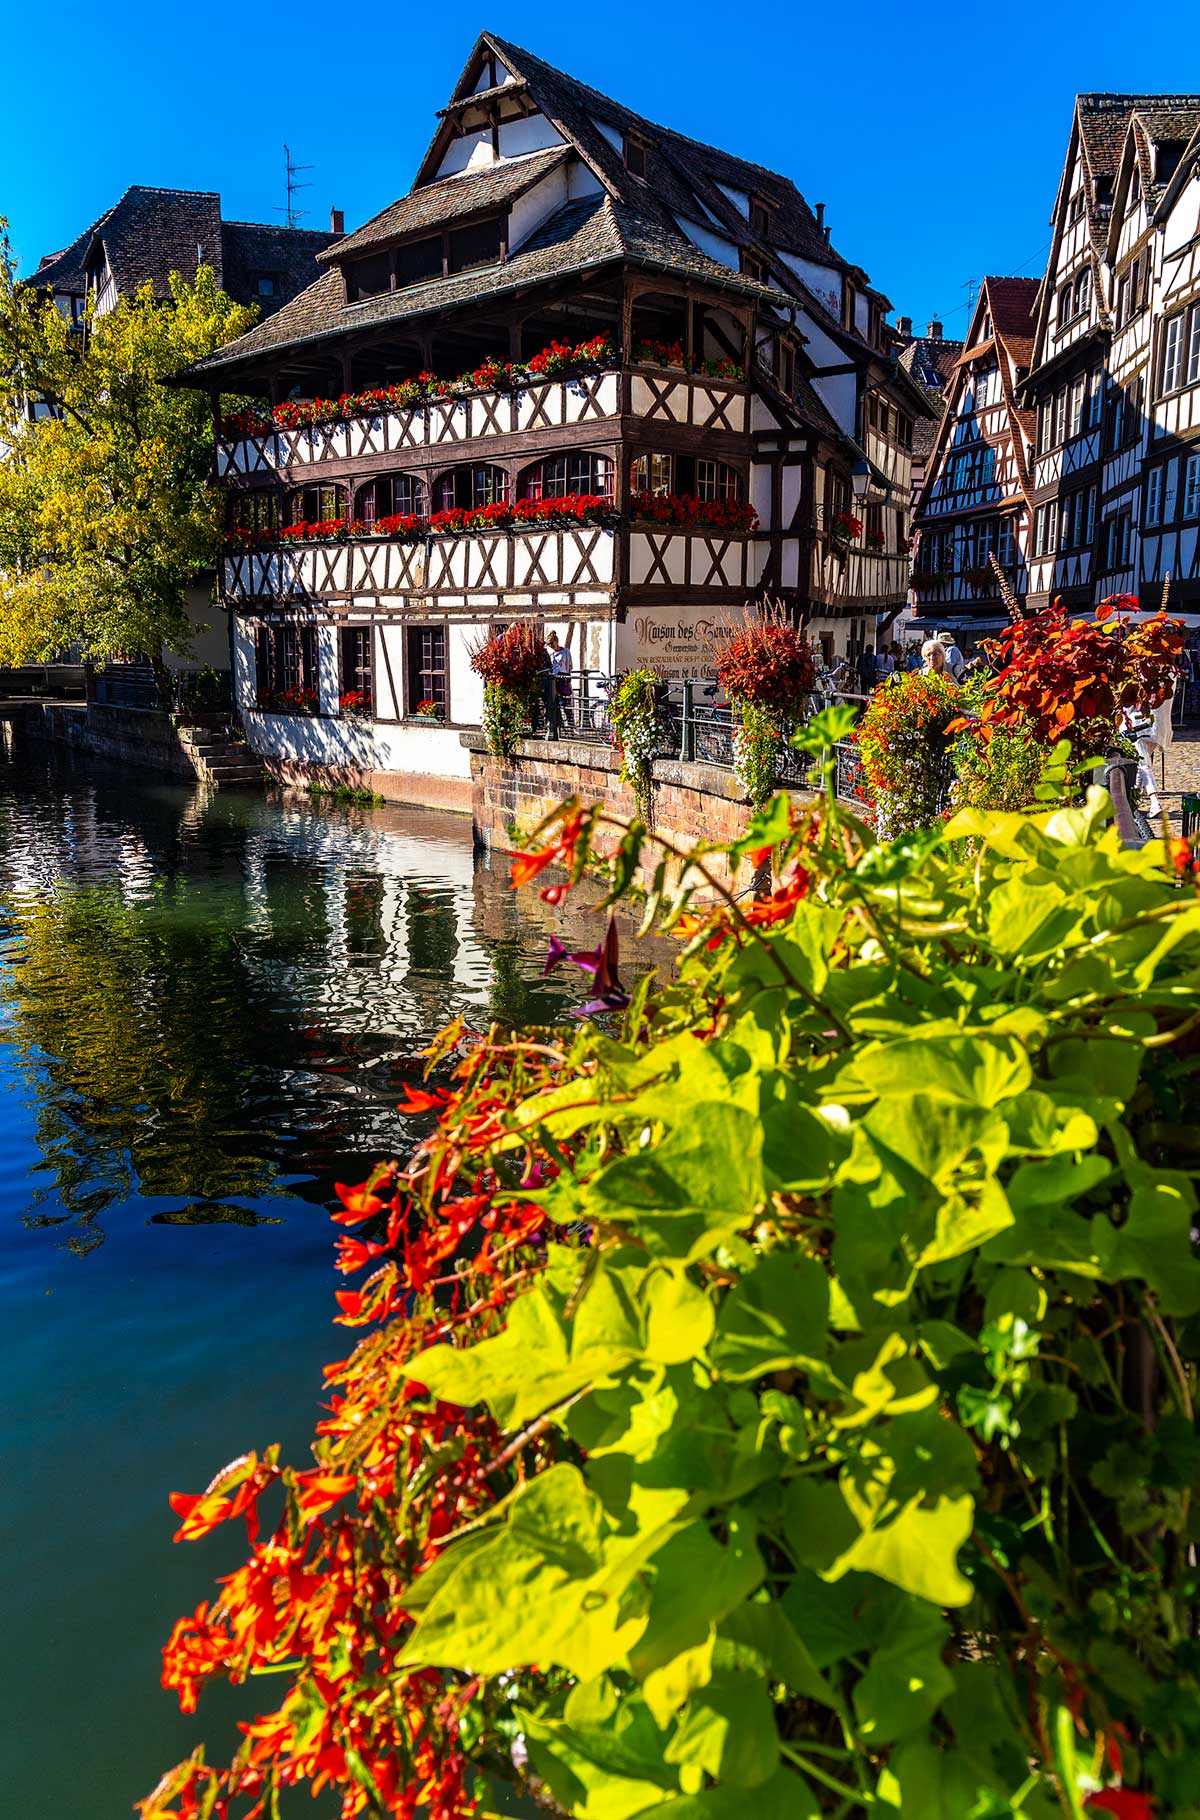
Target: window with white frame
<point>1045,529</point>
<point>1152,513</point>
<point>652,474</point>
<point>1118,533</point>
<point>577,471</point>
<point>1060,416</point>
<point>1045,424</point>
<point>717,480</point>
<point>1083,291</point>
<point>1191,487</point>
<point>1193,346</point>
<point>1078,394</point>
<point>1172,366</point>
<point>1005,544</point>
<point>1095,404</point>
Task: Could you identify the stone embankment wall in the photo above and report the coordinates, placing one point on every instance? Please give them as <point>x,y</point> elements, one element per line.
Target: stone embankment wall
<point>130,736</point>
<point>690,802</point>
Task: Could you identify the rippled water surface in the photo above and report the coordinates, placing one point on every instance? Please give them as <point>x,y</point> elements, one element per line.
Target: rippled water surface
<point>207,1005</point>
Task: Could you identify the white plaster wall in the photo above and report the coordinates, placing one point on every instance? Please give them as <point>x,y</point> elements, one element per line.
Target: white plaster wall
<point>533,133</point>
<point>824,283</point>
<point>361,745</point>
<point>389,671</point>
<point>245,664</point>
<point>210,633</point>
<point>723,251</point>
<point>611,133</point>
<point>530,210</point>
<point>328,681</point>
<point>471,150</point>
<point>582,180</point>
<point>466,689</point>
<point>839,394</point>
<point>739,199</point>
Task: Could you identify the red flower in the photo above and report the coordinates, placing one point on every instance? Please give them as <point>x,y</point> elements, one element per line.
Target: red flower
<point>1125,1803</point>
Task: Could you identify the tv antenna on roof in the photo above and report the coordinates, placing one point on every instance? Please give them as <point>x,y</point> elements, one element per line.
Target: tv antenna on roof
<point>970,287</point>
<point>293,215</point>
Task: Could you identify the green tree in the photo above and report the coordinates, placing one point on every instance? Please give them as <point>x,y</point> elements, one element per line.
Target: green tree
<point>107,507</point>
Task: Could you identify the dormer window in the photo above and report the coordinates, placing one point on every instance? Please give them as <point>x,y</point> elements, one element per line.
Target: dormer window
<point>265,285</point>
<point>369,277</point>
<point>1135,188</point>
<point>634,150</point>
<point>760,218</point>
<point>434,256</point>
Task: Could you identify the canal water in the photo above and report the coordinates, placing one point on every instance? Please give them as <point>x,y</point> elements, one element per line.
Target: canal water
<point>208,1005</point>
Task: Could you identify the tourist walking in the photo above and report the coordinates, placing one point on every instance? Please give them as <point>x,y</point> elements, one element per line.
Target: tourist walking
<point>560,672</point>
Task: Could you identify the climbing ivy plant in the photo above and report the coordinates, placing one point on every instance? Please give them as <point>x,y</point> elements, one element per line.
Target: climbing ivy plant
<point>777,1397</point>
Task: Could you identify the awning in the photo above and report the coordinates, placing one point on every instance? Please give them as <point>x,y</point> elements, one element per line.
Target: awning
<point>964,624</point>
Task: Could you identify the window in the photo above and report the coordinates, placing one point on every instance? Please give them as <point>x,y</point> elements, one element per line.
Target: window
<point>1116,419</point>
<point>287,660</point>
<point>1117,538</point>
<point>426,653</point>
<point>716,480</point>
<point>1135,188</point>
<point>753,267</point>
<point>265,285</point>
<point>418,261</point>
<point>1191,487</point>
<point>760,219</point>
<point>1078,519</point>
<point>474,246</point>
<point>635,155</point>
<point>1193,346</point>
<point>469,487</point>
<point>254,512</point>
<point>1075,208</point>
<point>1172,366</point>
<point>1045,424</point>
<point>1005,544</point>
<point>370,277</point>
<point>936,553</point>
<point>1123,299</point>
<point>392,494</point>
<point>652,474</point>
<point>1075,415</point>
<point>1060,416</point>
<point>317,504</point>
<point>876,536</point>
<point>1083,291</point>
<point>904,430</point>
<point>1045,529</point>
<point>1095,404</point>
<point>1065,298</point>
<point>576,472</point>
<point>356,667</point>
<point>1152,511</point>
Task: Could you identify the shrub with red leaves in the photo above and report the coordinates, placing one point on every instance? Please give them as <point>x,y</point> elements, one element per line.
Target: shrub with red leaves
<point>766,663</point>
<point>511,659</point>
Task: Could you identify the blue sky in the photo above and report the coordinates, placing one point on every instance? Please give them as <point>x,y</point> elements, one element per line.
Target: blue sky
<point>934,134</point>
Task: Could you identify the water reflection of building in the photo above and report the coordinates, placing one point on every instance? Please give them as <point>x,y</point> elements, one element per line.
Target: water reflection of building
<point>214,1000</point>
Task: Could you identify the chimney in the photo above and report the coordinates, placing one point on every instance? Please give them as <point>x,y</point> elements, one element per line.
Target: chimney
<point>337,221</point>
<point>904,325</point>
<point>934,332</point>
<point>819,211</point>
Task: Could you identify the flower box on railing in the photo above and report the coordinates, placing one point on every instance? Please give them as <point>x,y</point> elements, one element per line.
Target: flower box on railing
<point>288,701</point>
<point>355,704</point>
<point>671,354</point>
<point>687,513</point>
<point>492,375</point>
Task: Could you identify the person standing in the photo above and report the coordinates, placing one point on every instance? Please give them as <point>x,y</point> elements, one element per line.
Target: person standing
<point>560,672</point>
<point>865,669</point>
<point>885,663</point>
<point>955,661</point>
<point>933,658</point>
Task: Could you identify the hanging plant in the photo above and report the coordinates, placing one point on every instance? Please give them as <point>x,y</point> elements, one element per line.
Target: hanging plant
<point>904,739</point>
<point>510,663</point>
<point>767,670</point>
<point>637,723</point>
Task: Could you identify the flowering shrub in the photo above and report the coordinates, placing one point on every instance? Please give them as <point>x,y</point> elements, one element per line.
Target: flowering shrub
<point>405,527</point>
<point>288,701</point>
<point>500,515</point>
<point>904,743</point>
<point>784,1409</point>
<point>767,670</point>
<point>659,354</point>
<point>847,528</point>
<point>355,702</point>
<point>1068,679</point>
<point>510,663</point>
<point>325,530</point>
<point>686,510</point>
<point>492,374</point>
<point>638,727</point>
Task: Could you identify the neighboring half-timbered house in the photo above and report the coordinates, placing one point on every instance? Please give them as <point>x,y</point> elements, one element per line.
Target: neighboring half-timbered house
<point>1093,354</point>
<point>975,501</point>
<point>570,305</point>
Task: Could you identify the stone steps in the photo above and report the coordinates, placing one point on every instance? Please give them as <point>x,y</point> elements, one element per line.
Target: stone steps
<point>220,756</point>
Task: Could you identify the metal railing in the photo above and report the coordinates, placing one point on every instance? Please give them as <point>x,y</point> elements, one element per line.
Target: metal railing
<point>697,724</point>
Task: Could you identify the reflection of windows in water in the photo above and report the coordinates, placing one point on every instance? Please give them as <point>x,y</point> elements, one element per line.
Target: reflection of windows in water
<point>363,908</point>
<point>296,901</point>
<point>432,930</point>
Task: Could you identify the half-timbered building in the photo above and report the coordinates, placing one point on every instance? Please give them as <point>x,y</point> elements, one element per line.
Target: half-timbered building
<point>1093,355</point>
<point>586,371</point>
<point>974,503</point>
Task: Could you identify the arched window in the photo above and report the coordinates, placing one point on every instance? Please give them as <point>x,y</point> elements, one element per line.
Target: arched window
<point>389,494</point>
<point>652,474</point>
<point>576,472</point>
<point>468,487</point>
<point>716,480</point>
<point>254,512</point>
<point>316,504</point>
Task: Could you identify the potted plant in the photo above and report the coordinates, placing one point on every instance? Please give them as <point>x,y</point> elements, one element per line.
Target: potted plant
<point>428,710</point>
<point>846,529</point>
<point>767,670</point>
<point>355,703</point>
<point>510,663</point>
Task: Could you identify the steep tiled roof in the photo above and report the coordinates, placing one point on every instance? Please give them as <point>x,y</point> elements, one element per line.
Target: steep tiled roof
<point>433,203</point>
<point>1011,301</point>
<point>678,169</point>
<point>151,233</point>
<point>1103,124</point>
<point>579,237</point>
<point>932,352</point>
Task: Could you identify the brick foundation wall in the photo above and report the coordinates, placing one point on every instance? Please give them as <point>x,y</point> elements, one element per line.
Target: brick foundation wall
<point>690,802</point>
